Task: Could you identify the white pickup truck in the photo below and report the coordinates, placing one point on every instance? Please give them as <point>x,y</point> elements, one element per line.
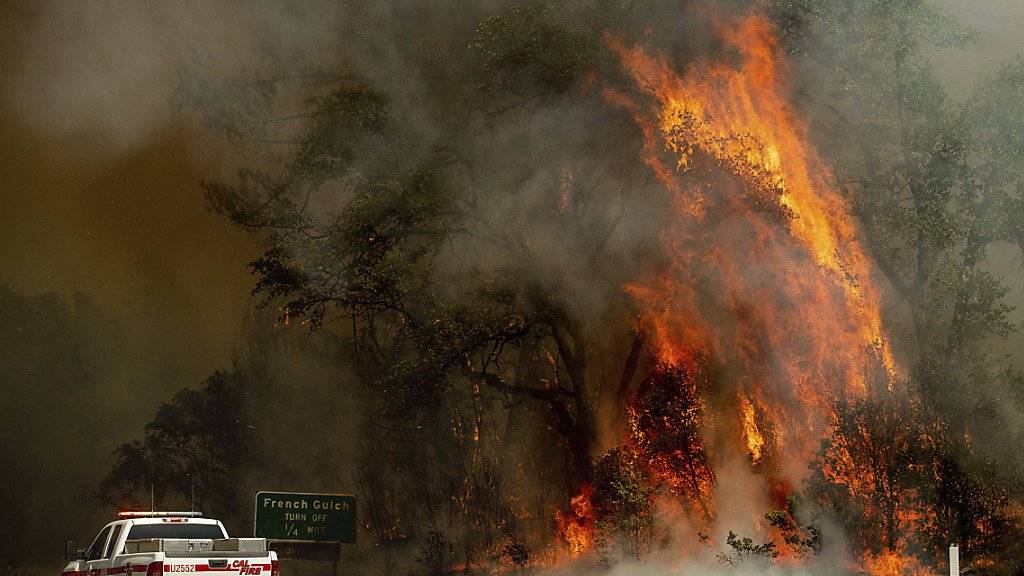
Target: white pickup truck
<point>172,544</point>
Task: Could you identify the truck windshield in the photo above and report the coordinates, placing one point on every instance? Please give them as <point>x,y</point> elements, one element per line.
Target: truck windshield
<point>177,530</point>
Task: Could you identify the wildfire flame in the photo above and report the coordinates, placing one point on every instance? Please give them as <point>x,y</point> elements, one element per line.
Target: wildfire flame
<point>755,442</point>
<point>576,525</point>
<point>893,564</point>
<point>792,309</point>
<point>766,292</point>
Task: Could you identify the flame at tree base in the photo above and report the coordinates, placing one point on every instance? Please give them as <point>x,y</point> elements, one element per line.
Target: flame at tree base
<point>576,526</point>
<point>893,564</point>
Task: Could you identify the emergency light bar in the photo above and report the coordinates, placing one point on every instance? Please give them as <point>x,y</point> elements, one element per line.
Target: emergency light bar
<point>163,514</point>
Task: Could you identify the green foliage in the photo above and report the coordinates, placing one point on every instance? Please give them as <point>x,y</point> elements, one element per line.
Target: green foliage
<point>375,257</point>
<point>342,124</point>
<point>998,144</point>
<point>744,551</point>
<point>623,500</point>
<point>528,45</point>
<point>542,49</point>
<point>869,32</point>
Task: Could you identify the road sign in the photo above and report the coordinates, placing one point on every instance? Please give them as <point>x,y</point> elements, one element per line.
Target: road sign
<point>305,517</point>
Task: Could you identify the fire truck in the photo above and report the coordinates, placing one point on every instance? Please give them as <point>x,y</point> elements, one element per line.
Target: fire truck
<point>169,544</point>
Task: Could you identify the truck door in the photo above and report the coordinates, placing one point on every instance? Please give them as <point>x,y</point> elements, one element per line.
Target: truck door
<point>94,556</point>
<point>112,550</point>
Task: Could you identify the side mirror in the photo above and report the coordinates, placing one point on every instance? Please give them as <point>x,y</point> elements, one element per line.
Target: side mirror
<point>71,551</point>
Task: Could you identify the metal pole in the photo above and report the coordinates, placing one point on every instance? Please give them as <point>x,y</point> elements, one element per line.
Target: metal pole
<point>954,560</point>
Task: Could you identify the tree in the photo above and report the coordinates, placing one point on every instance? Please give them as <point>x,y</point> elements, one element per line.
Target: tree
<point>413,220</point>
<point>667,422</point>
<point>870,470</point>
<point>194,451</point>
<point>458,236</point>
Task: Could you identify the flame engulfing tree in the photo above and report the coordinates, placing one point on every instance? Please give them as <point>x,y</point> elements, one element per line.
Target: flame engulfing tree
<point>936,186</point>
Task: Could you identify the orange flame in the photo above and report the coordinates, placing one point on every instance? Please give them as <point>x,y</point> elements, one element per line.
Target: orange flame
<point>893,564</point>
<point>755,442</point>
<point>767,276</point>
<point>576,525</point>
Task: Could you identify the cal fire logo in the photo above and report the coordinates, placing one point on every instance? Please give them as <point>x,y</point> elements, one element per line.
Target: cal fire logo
<point>246,569</point>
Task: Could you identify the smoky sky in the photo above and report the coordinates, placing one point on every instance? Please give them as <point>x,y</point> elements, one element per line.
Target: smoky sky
<point>117,285</point>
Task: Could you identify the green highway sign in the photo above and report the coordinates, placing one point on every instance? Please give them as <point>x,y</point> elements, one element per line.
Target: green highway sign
<point>306,517</point>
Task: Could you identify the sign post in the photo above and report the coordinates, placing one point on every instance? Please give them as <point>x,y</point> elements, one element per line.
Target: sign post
<point>306,526</point>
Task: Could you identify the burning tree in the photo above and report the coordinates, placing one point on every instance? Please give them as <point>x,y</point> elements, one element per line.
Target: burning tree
<point>667,431</point>
<point>871,469</point>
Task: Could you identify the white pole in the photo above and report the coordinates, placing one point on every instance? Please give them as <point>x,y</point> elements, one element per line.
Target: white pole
<point>954,560</point>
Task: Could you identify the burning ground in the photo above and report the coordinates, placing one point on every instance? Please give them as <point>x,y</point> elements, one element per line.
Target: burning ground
<point>600,286</point>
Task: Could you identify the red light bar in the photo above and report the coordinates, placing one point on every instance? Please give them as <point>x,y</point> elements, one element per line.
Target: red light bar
<point>163,514</point>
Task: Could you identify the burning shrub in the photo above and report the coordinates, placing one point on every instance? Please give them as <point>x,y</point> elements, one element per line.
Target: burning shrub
<point>666,421</point>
